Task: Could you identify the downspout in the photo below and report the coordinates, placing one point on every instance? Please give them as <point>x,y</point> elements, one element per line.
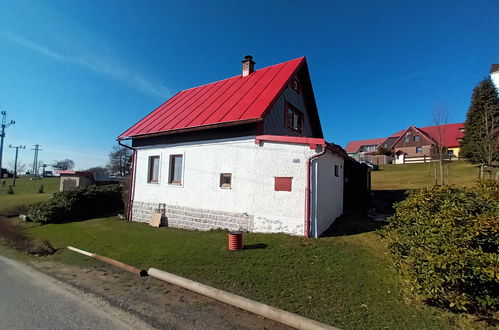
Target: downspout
<point>307,191</point>
<point>134,168</point>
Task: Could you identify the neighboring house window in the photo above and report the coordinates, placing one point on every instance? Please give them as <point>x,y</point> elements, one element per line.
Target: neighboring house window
<point>419,150</point>
<point>294,118</point>
<point>225,180</point>
<point>336,170</point>
<point>175,176</point>
<point>416,138</point>
<point>153,169</point>
<point>283,183</point>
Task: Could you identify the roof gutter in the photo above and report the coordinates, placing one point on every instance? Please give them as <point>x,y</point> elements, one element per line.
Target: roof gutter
<point>133,173</point>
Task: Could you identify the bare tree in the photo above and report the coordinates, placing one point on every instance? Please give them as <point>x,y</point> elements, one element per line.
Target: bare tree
<point>440,117</point>
<point>21,167</point>
<point>118,161</point>
<point>63,165</point>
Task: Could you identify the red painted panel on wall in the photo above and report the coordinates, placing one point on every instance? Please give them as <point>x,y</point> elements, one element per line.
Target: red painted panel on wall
<point>283,183</point>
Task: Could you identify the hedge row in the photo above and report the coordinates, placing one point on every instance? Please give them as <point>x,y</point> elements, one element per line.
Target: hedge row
<point>78,204</point>
<point>445,239</point>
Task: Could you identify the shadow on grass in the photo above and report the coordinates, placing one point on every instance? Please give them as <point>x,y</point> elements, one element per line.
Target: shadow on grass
<point>255,246</point>
<point>380,206</point>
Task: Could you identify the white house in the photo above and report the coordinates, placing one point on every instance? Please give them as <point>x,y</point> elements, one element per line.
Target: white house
<point>494,75</point>
<point>245,153</point>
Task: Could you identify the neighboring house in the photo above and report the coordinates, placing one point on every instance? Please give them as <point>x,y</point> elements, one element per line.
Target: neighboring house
<point>244,153</point>
<point>70,180</point>
<point>410,145</point>
<point>355,148</point>
<point>494,75</point>
<point>417,144</point>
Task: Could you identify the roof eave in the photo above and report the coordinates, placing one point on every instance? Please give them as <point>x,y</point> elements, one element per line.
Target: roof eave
<point>191,129</point>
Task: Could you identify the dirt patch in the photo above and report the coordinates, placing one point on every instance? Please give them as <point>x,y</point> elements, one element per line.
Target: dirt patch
<point>162,305</point>
<point>16,238</point>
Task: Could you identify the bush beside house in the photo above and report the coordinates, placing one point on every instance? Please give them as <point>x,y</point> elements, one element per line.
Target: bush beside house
<point>446,240</point>
<point>78,204</point>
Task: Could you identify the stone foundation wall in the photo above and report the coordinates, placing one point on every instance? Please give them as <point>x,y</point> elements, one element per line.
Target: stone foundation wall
<point>193,218</point>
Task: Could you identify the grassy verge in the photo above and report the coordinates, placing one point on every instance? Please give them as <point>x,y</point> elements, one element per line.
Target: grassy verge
<point>26,192</point>
<point>346,281</point>
<point>409,176</point>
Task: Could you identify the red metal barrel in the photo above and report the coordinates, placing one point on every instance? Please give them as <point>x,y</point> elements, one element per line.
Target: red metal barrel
<point>235,240</point>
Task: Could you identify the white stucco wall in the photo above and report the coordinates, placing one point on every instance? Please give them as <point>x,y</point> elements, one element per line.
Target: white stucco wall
<point>495,79</point>
<point>327,192</point>
<point>253,169</point>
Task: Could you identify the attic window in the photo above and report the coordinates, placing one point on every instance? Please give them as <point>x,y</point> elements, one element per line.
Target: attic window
<point>295,84</point>
<point>416,138</point>
<point>294,118</point>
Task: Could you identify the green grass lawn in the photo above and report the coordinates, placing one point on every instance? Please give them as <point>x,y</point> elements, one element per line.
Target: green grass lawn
<point>26,191</point>
<point>346,281</point>
<point>409,176</point>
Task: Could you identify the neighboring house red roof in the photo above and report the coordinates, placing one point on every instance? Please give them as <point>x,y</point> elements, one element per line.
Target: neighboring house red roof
<point>448,135</point>
<point>354,146</point>
<point>451,133</point>
<point>227,102</point>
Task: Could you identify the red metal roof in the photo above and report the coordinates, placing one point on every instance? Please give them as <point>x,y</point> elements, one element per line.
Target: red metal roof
<point>451,133</point>
<point>353,146</point>
<point>228,101</point>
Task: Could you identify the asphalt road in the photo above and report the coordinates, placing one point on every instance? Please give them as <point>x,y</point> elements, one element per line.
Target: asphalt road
<point>32,300</point>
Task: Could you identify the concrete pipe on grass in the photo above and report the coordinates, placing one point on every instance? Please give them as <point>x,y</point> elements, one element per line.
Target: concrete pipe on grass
<point>279,315</point>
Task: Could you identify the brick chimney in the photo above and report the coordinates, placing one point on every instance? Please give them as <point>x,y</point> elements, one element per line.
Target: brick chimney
<point>248,65</point>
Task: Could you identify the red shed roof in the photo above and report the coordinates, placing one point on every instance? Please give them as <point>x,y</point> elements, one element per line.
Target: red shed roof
<point>353,146</point>
<point>226,102</point>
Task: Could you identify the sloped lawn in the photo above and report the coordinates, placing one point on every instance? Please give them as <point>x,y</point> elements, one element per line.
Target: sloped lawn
<point>346,281</point>
<point>26,192</point>
<point>410,176</point>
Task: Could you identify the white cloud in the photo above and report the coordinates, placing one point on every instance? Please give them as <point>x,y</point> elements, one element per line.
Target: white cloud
<point>105,66</point>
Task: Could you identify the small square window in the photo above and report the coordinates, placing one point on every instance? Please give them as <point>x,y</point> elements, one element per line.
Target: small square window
<point>336,170</point>
<point>225,180</point>
<point>283,183</point>
<point>294,118</point>
<point>416,138</point>
<point>407,138</point>
<point>175,176</point>
<point>419,150</point>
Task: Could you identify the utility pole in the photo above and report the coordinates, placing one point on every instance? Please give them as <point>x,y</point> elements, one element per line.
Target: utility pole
<point>15,162</point>
<point>43,171</point>
<point>3,126</point>
<point>35,163</point>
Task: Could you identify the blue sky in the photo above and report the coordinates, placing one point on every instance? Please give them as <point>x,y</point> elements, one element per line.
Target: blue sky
<point>75,74</point>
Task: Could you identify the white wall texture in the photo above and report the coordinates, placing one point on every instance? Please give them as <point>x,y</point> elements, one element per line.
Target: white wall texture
<point>327,192</point>
<point>495,79</point>
<point>253,169</point>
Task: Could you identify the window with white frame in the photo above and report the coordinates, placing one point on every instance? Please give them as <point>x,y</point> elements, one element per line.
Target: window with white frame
<point>419,150</point>
<point>175,175</point>
<point>153,169</point>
